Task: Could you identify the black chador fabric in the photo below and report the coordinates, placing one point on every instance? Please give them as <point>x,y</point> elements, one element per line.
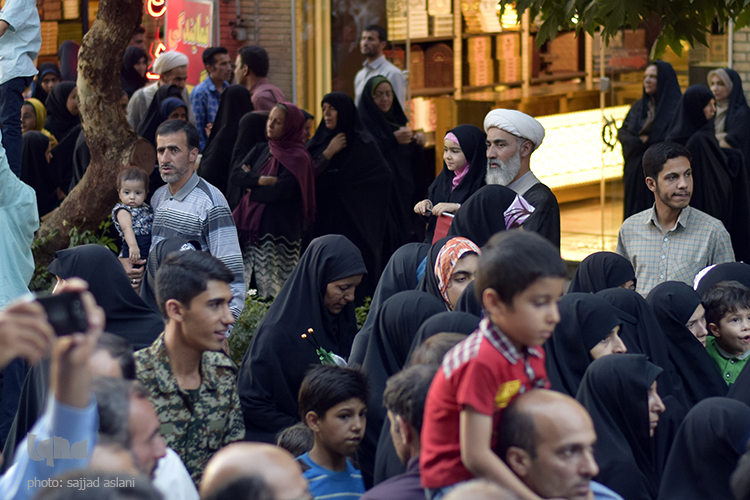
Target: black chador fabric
<point>406,162</point>
<point>130,79</point>
<point>60,122</point>
<point>601,270</point>
<point>546,217</point>
<point>278,357</point>
<point>728,271</point>
<point>400,274</point>
<point>472,142</point>
<point>712,181</point>
<point>673,304</point>
<point>37,172</point>
<point>155,257</point>
<point>737,121</point>
<point>217,155</point>
<point>664,103</point>
<point>483,214</point>
<point>387,352</point>
<point>250,132</point>
<point>81,160</point>
<point>706,451</point>
<point>37,91</point>
<point>468,302</point>
<point>585,320</point>
<point>127,315</point>
<point>642,335</point>
<point>387,463</point>
<point>614,390</point>
<point>429,283</point>
<point>62,157</point>
<point>353,193</point>
<point>152,120</point>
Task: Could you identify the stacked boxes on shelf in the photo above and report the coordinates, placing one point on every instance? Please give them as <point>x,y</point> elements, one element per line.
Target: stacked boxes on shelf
<point>562,53</point>
<point>479,67</point>
<point>481,16</point>
<point>49,38</point>
<point>441,18</point>
<point>438,66</point>
<point>416,22</point>
<point>71,9</point>
<point>508,54</point>
<point>51,10</point>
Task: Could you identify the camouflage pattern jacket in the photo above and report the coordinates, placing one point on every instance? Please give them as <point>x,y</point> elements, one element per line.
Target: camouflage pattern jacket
<point>197,423</point>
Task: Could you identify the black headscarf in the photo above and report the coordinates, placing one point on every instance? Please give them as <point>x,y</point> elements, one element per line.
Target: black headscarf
<point>472,142</point>
<point>353,192</point>
<point>81,159</point>
<point>601,270</point>
<point>689,117</point>
<point>665,100</point>
<point>67,54</point>
<point>59,120</point>
<point>673,303</point>
<point>468,302</point>
<point>400,274</point>
<point>445,322</point>
<point>585,320</point>
<point>250,131</point>
<point>44,69</point>
<point>706,450</point>
<point>728,271</point>
<point>127,315</point>
<point>63,156</point>
<point>152,120</point>
<point>642,334</point>
<point>614,390</point>
<point>387,352</point>
<point>278,358</point>
<point>429,283</point>
<point>155,257</point>
<point>406,162</point>
<point>738,115</point>
<point>483,214</point>
<point>217,154</point>
<point>36,171</point>
<point>130,79</point>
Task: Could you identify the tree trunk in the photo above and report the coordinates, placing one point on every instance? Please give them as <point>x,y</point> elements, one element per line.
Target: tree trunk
<point>113,143</point>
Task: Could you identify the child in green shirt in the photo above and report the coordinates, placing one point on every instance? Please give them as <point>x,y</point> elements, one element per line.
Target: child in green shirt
<point>728,316</point>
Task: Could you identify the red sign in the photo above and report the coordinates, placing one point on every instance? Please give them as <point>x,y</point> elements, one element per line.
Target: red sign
<point>189,24</point>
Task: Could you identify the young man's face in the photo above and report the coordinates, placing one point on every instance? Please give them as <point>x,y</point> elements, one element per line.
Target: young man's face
<point>370,44</point>
<point>733,331</point>
<point>206,321</point>
<point>240,71</point>
<point>343,426</point>
<point>531,318</point>
<point>221,69</point>
<point>674,184</point>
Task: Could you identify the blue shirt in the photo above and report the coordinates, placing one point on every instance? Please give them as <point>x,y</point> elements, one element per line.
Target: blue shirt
<point>601,492</point>
<point>19,219</point>
<point>23,479</point>
<point>325,483</point>
<point>20,45</point>
<point>204,99</point>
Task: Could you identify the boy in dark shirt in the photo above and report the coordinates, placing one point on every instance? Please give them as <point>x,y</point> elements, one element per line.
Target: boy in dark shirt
<point>518,281</point>
<point>332,404</point>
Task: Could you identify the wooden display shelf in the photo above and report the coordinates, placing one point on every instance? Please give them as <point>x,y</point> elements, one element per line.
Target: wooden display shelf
<point>479,88</point>
<point>494,33</point>
<point>559,77</point>
<point>428,39</point>
<point>431,91</point>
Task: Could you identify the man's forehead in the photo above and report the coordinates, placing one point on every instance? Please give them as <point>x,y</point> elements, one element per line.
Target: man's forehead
<point>174,139</point>
<point>495,134</point>
<point>677,165</point>
<point>564,427</point>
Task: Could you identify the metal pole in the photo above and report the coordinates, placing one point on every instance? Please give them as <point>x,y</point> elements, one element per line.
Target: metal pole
<point>731,44</point>
<point>294,51</point>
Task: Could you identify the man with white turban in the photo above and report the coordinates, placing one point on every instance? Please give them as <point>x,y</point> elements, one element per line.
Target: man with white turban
<point>511,138</point>
<point>172,70</point>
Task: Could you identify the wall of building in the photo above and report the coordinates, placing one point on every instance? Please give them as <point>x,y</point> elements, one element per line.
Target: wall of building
<point>741,57</point>
<point>269,24</point>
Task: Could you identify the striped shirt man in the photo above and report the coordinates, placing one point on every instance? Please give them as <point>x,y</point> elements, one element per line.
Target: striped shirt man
<point>199,211</point>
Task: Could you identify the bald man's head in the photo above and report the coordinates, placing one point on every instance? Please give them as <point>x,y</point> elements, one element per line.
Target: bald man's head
<point>479,489</point>
<point>274,465</point>
<point>547,438</point>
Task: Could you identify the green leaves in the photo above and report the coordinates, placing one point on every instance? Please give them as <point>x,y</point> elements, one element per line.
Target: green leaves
<point>682,20</point>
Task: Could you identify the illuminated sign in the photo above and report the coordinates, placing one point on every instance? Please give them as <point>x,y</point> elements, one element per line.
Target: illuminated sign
<point>189,31</point>
<point>156,8</point>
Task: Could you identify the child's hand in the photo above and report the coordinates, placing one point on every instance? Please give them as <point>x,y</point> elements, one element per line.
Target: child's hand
<point>423,207</point>
<point>441,208</point>
<point>135,254</point>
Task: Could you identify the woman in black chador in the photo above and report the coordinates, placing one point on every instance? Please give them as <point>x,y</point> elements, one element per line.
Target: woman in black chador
<point>646,124</point>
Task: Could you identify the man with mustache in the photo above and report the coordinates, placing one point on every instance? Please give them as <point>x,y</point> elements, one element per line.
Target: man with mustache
<point>512,136</point>
<point>671,241</point>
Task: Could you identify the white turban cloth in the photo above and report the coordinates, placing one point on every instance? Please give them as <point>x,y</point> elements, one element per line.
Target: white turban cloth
<point>167,61</point>
<point>515,123</point>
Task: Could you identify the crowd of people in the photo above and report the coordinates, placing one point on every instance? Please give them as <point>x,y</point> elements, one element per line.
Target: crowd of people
<point>480,371</point>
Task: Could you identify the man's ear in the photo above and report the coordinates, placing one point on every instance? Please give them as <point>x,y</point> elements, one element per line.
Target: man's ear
<point>193,155</point>
<point>526,148</point>
<point>714,329</point>
<point>175,310</point>
<point>651,184</point>
<point>383,45</point>
<point>406,432</point>
<point>519,461</point>
<point>312,420</point>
